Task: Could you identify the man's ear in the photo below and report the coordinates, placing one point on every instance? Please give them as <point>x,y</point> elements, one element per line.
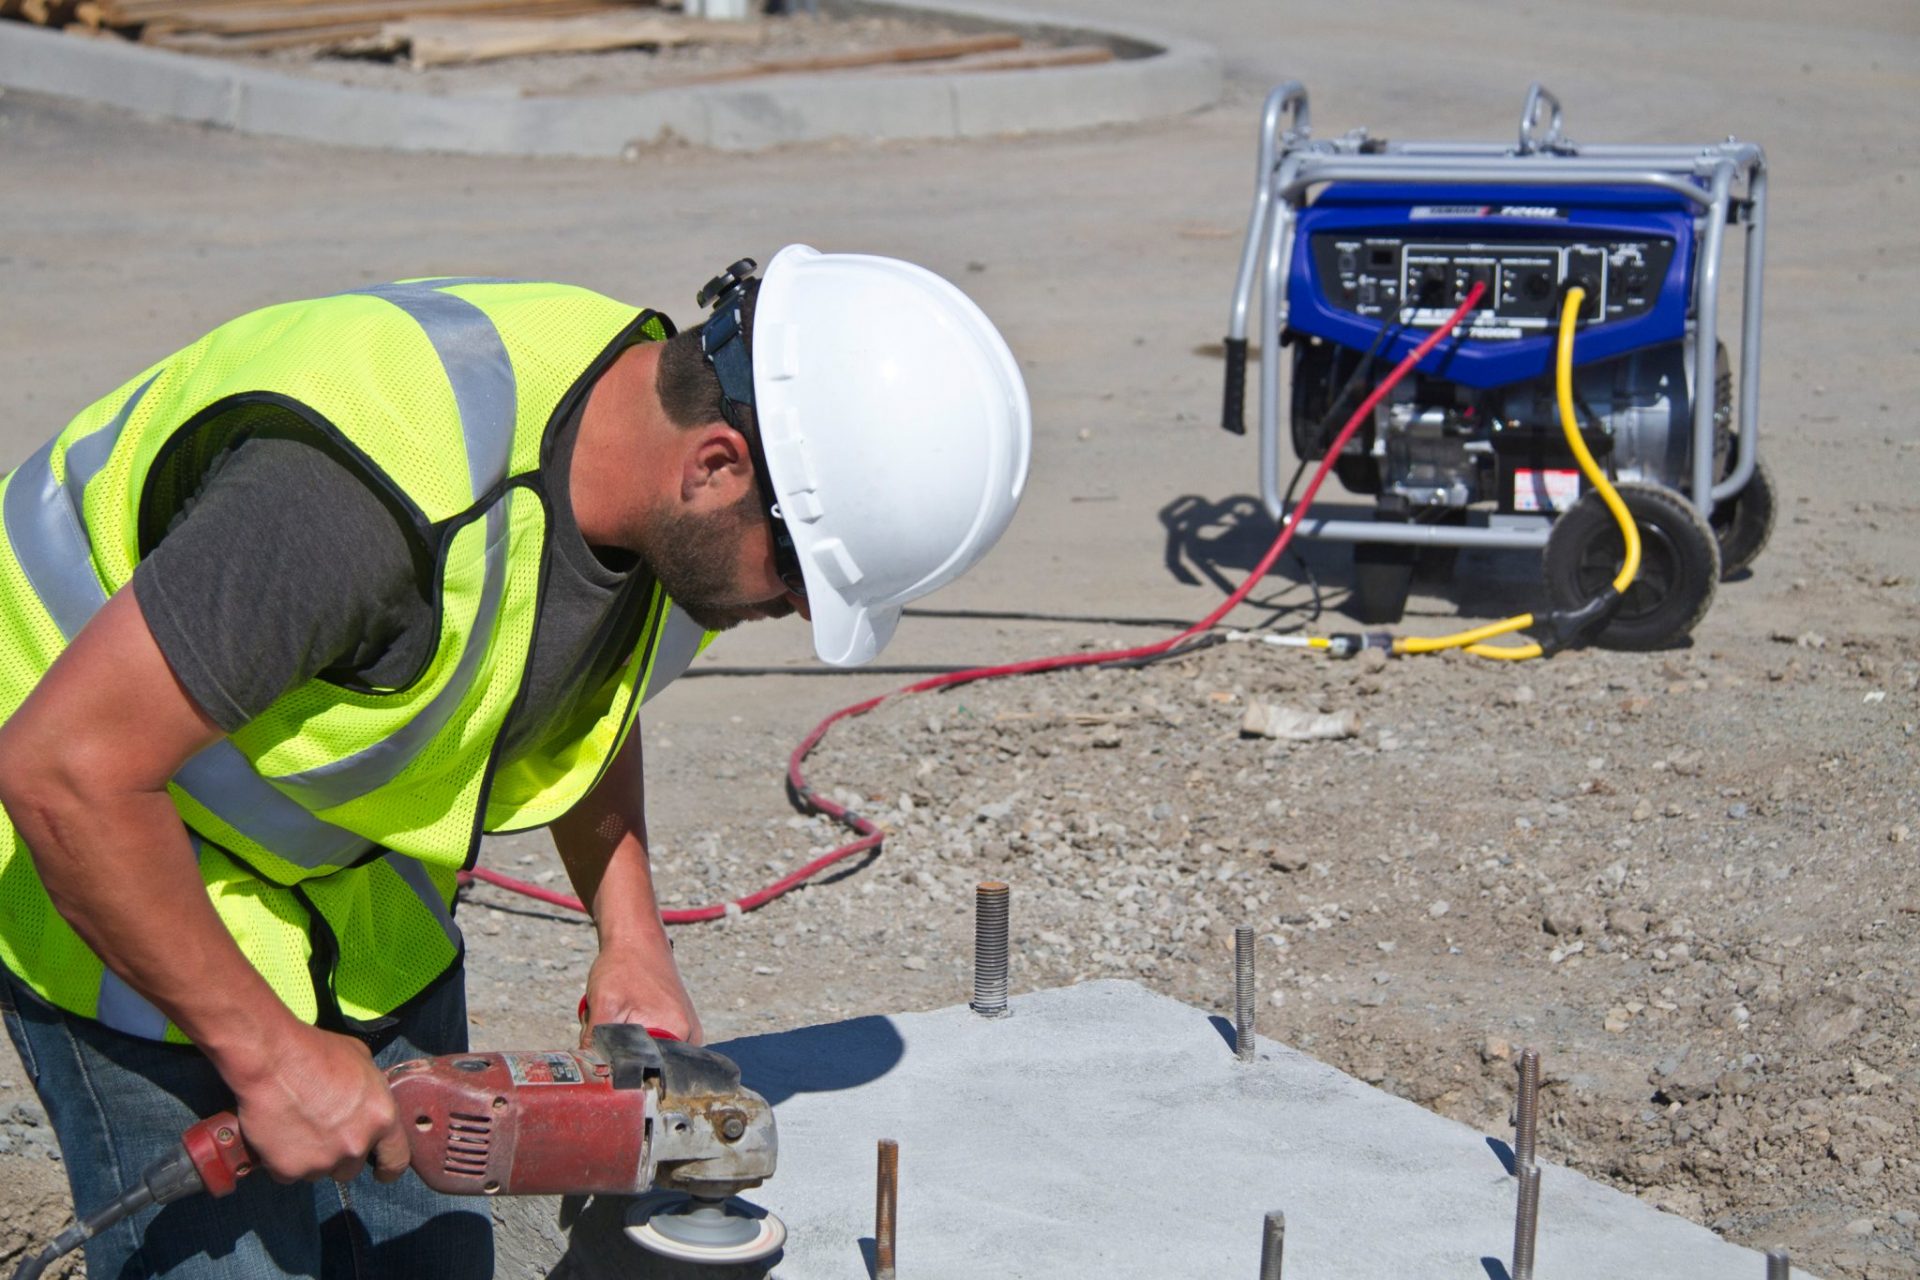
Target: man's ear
<point>716,467</point>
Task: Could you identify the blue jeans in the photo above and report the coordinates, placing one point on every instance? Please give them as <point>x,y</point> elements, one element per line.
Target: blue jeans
<point>118,1103</point>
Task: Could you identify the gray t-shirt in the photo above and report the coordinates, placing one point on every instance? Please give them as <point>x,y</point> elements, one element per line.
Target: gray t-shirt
<point>284,562</point>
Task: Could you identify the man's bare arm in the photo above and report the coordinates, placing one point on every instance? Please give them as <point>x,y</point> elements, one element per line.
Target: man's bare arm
<point>603,842</point>
<point>84,766</point>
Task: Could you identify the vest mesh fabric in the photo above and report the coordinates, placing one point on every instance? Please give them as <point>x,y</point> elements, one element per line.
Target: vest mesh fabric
<point>357,908</point>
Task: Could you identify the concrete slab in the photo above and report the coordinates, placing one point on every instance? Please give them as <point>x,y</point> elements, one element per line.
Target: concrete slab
<point>1173,75</point>
<point>1103,1130</point>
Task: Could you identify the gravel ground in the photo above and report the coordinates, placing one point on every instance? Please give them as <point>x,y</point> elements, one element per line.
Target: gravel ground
<point>1705,922</point>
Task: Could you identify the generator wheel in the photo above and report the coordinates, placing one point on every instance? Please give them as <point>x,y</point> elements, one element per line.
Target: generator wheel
<point>1679,565</point>
<point>1744,522</point>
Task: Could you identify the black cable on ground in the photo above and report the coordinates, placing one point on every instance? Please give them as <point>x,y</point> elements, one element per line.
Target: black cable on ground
<point>1206,641</point>
<point>1016,615</point>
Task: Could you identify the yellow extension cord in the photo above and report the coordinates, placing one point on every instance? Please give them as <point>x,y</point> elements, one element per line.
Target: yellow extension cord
<point>1473,640</point>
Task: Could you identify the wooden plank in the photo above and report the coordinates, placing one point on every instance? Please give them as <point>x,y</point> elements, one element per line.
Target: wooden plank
<point>1073,55</point>
<point>129,12</point>
<point>233,46</point>
<point>434,42</point>
<point>955,48</point>
<point>260,20</point>
<point>350,37</point>
<point>47,13</point>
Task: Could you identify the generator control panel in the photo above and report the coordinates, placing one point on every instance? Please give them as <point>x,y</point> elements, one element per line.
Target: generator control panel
<point>1420,281</point>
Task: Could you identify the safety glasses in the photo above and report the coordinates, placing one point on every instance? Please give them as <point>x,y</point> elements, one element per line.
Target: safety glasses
<point>786,557</point>
<point>723,341</point>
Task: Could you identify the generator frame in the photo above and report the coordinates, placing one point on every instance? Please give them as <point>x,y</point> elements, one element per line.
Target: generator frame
<point>1725,181</point>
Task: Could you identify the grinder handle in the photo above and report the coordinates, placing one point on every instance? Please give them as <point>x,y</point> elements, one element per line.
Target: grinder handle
<point>657,1033</point>
<point>217,1155</point>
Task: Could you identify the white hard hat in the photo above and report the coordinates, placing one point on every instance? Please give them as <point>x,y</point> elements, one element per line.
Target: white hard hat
<point>896,431</point>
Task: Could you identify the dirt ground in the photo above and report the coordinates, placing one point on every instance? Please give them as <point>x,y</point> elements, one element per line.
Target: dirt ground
<point>1688,878</point>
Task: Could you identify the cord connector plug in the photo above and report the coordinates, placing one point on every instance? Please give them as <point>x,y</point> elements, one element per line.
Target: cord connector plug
<point>1348,644</point>
<point>1568,627</point>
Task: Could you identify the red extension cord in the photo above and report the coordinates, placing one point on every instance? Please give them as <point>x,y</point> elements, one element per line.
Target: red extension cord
<point>871,835</point>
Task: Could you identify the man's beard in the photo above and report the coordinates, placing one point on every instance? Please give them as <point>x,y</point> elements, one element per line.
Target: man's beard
<point>694,557</point>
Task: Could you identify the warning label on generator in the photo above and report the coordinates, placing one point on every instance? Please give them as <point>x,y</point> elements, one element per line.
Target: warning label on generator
<point>1544,490</point>
<point>543,1068</point>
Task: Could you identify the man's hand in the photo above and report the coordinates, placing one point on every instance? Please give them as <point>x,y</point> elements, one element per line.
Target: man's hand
<point>321,1109</point>
<point>637,984</point>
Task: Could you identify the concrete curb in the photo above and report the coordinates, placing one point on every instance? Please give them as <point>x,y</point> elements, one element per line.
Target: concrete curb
<point>1176,75</point>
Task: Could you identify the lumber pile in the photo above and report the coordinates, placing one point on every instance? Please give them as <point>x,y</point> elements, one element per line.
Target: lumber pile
<point>433,33</point>
<point>432,41</point>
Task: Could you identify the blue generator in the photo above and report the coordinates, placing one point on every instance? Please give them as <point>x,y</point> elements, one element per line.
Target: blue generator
<point>1359,247</point>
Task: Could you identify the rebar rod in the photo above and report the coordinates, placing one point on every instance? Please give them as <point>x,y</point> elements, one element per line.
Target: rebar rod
<point>990,949</point>
<point>1273,1240</point>
<point>1526,1222</point>
<point>886,1205</point>
<point>1243,1042</point>
<point>1526,1111</point>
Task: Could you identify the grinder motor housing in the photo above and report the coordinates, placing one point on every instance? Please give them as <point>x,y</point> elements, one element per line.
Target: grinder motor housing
<point>630,1114</point>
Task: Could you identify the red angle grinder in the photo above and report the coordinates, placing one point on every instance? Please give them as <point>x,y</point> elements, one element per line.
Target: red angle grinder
<point>633,1115</point>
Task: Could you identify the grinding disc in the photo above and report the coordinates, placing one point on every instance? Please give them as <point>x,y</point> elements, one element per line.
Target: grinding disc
<point>716,1233</point>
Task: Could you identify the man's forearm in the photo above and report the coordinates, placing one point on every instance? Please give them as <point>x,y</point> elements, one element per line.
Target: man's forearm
<point>626,914</point>
<point>84,764</point>
<point>608,865</point>
<point>121,870</point>
<point>603,843</point>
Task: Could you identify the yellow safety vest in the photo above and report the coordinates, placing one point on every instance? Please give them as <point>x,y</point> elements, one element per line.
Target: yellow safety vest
<point>331,827</point>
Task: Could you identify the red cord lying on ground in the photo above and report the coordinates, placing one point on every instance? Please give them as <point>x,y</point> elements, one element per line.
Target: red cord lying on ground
<point>807,800</point>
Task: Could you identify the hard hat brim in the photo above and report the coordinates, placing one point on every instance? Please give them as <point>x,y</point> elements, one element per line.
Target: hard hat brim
<point>847,635</point>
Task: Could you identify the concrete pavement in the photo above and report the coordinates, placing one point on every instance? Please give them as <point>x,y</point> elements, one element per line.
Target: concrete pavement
<point>1102,1130</point>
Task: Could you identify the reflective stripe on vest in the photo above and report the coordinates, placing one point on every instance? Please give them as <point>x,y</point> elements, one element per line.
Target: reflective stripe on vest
<point>481,374</point>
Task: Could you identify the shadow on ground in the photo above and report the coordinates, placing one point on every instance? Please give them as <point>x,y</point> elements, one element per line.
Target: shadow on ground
<point>1220,541</point>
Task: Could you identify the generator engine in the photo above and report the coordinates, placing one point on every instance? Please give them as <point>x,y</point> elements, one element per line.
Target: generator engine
<point>1368,245</point>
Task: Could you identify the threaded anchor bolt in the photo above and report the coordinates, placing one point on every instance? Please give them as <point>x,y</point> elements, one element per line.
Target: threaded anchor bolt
<point>1272,1240</point>
<point>1526,1222</point>
<point>1779,1266</point>
<point>1526,1111</point>
<point>886,1204</point>
<point>1243,992</point>
<point>990,949</point>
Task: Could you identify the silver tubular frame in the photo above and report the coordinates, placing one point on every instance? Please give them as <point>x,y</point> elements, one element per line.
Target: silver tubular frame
<point>1726,181</point>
